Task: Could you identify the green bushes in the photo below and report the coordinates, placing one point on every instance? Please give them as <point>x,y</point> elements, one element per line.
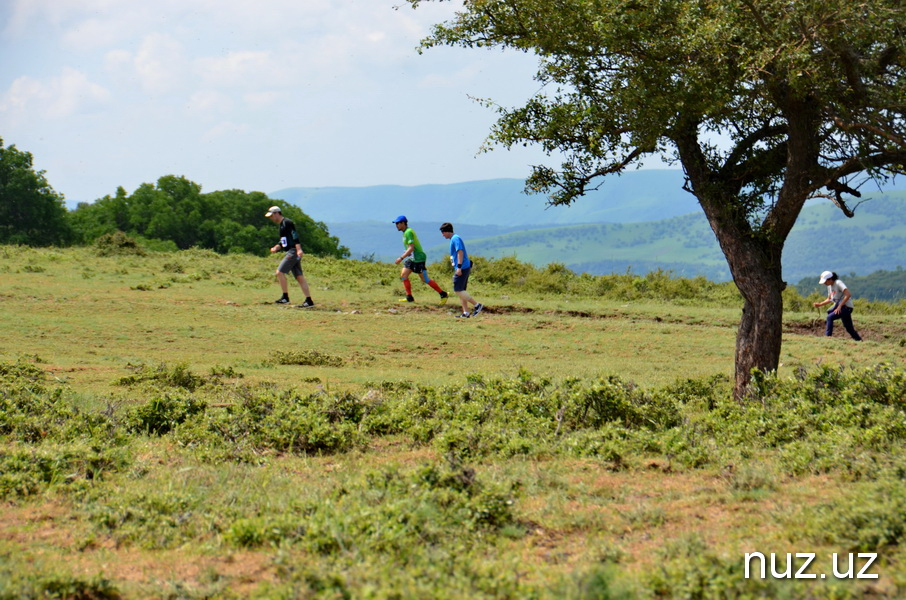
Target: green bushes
<point>808,422</point>
<point>867,519</point>
<point>261,421</point>
<point>434,524</point>
<point>556,278</point>
<point>117,244</point>
<point>31,413</point>
<point>160,415</point>
<point>50,584</point>
<point>313,358</point>
<point>178,376</point>
<point>25,471</point>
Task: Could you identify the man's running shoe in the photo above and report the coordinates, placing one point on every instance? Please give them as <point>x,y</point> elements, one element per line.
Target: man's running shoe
<point>307,304</point>
<point>478,308</point>
<point>463,316</point>
<point>282,301</point>
<point>408,299</point>
<point>443,298</point>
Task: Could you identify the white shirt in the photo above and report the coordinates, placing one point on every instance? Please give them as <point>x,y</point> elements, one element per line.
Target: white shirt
<point>835,293</point>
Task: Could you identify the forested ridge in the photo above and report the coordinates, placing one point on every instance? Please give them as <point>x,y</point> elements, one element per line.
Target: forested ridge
<point>173,212</point>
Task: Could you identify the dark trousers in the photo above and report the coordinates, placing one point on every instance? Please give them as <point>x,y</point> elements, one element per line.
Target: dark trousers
<point>846,315</point>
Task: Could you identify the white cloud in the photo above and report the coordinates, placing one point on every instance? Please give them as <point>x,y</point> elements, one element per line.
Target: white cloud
<point>247,69</point>
<point>280,87</point>
<point>209,102</point>
<point>160,63</point>
<point>60,97</point>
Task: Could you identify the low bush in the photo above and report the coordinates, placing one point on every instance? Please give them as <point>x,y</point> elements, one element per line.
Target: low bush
<point>117,244</point>
<point>159,415</point>
<point>868,518</point>
<point>177,376</point>
<point>42,585</point>
<point>261,421</point>
<point>27,470</point>
<point>32,413</point>
<point>308,358</point>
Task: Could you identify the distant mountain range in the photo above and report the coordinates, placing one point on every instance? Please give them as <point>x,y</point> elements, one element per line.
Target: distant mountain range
<point>636,196</point>
<point>641,221</point>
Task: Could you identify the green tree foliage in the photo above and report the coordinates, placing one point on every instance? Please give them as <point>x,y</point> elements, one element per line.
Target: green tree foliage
<point>31,212</point>
<point>765,103</point>
<point>175,209</point>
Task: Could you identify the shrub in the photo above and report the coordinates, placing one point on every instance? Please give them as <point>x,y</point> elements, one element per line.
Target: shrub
<point>309,358</point>
<point>867,519</point>
<point>159,415</point>
<point>25,471</point>
<point>117,244</point>
<point>31,585</point>
<point>264,421</point>
<point>31,413</point>
<point>178,376</point>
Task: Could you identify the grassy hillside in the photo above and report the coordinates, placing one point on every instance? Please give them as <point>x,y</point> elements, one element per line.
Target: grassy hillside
<point>823,238</point>
<point>168,432</point>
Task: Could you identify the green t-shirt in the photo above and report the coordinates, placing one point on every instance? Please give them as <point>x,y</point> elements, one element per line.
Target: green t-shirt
<point>409,237</point>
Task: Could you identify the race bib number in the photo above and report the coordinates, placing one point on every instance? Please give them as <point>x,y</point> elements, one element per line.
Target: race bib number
<point>283,242</point>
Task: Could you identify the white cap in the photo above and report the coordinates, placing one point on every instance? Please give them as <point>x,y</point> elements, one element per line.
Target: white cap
<point>825,276</point>
<point>272,210</point>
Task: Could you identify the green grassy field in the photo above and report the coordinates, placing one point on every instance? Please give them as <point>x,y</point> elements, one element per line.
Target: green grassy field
<point>168,432</point>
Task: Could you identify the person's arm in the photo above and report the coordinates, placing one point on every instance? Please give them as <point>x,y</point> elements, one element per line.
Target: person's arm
<point>458,265</point>
<point>299,252</point>
<point>409,250</point>
<point>828,300</point>
<point>843,301</point>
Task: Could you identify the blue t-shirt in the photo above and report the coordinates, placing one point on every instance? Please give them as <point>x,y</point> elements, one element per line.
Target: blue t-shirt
<point>456,244</point>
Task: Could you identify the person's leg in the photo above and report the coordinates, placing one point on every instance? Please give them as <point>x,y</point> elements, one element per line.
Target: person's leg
<point>303,285</point>
<point>281,278</point>
<point>460,283</point>
<point>431,283</point>
<point>847,317</point>
<point>464,299</point>
<point>289,263</point>
<point>829,328</point>
<point>407,285</point>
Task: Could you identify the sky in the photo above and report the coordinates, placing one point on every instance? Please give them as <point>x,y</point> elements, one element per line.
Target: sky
<point>257,95</point>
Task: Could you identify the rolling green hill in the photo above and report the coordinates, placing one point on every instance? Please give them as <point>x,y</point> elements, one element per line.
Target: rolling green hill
<point>822,239</point>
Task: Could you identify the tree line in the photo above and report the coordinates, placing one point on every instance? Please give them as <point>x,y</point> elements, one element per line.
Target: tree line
<point>172,209</point>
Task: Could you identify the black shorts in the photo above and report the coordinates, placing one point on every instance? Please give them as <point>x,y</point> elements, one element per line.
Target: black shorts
<point>461,282</point>
<point>415,267</point>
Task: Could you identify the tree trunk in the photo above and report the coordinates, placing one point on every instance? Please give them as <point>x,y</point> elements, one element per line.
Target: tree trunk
<point>754,261</point>
<point>760,331</point>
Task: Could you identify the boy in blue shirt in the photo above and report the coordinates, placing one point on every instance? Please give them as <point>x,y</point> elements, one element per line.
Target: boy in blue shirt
<point>462,267</point>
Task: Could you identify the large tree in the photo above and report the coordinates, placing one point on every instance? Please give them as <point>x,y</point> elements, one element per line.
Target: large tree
<point>764,104</point>
<point>31,212</point>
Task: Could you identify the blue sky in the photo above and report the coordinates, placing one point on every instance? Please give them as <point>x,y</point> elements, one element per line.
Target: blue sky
<point>249,94</point>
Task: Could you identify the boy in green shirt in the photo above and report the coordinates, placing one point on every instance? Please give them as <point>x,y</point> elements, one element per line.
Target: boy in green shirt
<point>415,259</point>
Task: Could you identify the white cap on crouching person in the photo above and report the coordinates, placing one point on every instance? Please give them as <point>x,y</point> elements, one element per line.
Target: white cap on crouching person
<point>272,210</point>
<point>825,276</point>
